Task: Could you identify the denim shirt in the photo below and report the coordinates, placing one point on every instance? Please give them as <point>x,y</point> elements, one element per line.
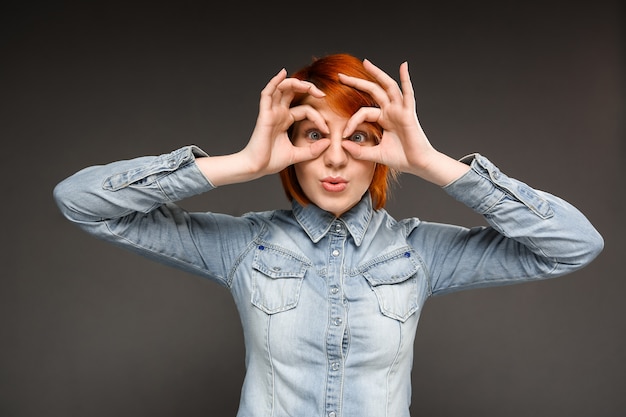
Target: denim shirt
<point>329,306</point>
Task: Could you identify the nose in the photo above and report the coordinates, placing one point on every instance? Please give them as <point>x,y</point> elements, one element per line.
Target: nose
<point>335,154</point>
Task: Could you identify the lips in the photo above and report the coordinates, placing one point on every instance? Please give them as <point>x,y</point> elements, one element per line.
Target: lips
<point>334,184</point>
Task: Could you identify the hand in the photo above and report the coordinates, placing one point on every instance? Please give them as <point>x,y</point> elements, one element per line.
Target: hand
<point>269,149</point>
<point>404,145</point>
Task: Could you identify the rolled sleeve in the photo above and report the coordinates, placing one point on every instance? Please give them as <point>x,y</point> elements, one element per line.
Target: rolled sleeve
<point>484,186</point>
<point>139,184</point>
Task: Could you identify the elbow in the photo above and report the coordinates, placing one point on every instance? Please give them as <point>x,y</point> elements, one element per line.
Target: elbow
<point>595,245</point>
<point>60,194</point>
<point>64,196</point>
<point>589,248</point>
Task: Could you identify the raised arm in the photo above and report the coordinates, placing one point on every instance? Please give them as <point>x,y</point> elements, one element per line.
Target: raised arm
<point>533,234</point>
<point>132,203</point>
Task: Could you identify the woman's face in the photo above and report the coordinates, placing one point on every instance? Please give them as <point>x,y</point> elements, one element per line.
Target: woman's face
<point>334,181</point>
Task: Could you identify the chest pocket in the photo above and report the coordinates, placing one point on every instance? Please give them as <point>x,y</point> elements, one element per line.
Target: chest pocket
<point>277,279</point>
<point>396,282</point>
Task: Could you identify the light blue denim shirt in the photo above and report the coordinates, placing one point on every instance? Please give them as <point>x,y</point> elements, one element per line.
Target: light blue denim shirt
<point>330,306</point>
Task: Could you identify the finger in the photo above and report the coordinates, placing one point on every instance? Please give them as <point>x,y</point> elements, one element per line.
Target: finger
<point>305,111</point>
<point>376,91</point>
<point>407,85</point>
<point>364,114</point>
<point>275,81</point>
<point>290,86</point>
<point>388,83</point>
<point>313,90</point>
<point>300,86</point>
<point>308,152</point>
<point>268,91</point>
<point>365,153</point>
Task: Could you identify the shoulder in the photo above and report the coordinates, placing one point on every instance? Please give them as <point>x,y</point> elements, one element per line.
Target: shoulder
<point>383,218</point>
<point>269,216</point>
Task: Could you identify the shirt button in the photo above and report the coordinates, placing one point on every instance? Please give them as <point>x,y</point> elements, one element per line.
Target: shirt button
<point>332,414</point>
<point>334,289</point>
<point>337,321</point>
<point>338,228</point>
<point>335,252</point>
<point>335,366</point>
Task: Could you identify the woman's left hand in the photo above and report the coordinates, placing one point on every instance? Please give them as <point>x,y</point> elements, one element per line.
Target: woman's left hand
<point>404,145</point>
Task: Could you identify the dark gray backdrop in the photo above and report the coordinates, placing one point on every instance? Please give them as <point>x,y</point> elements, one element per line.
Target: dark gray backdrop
<point>89,330</point>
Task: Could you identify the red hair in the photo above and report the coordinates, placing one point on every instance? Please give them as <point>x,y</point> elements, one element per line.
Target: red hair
<point>345,100</point>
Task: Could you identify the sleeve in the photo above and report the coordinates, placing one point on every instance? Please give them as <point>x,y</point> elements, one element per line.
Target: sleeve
<point>132,204</point>
<point>531,234</point>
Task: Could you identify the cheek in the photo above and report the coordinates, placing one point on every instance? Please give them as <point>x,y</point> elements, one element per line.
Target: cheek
<point>369,171</point>
<point>302,171</point>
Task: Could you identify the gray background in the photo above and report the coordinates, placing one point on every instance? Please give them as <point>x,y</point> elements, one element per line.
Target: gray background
<point>90,330</point>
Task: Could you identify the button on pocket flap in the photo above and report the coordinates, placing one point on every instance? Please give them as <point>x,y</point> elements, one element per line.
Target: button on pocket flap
<point>394,269</point>
<point>278,264</point>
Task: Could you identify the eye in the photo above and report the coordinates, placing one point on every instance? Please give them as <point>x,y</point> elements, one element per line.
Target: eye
<point>359,137</point>
<point>313,135</point>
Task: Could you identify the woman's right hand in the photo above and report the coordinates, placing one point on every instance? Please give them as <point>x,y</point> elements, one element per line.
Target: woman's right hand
<point>269,149</point>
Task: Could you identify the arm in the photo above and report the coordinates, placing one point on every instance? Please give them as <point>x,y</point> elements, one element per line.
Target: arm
<point>533,234</point>
<point>132,203</point>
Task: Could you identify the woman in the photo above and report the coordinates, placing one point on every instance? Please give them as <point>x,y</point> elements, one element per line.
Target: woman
<point>330,292</point>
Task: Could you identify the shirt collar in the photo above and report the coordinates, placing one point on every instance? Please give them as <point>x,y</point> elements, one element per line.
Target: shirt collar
<point>317,222</point>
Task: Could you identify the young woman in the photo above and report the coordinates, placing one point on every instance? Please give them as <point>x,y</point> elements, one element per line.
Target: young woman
<point>330,292</point>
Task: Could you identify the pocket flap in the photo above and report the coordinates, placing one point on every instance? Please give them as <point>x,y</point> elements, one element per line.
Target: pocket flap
<point>396,268</point>
<point>278,264</point>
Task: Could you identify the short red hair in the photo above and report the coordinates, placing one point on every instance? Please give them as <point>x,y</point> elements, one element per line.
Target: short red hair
<point>345,100</point>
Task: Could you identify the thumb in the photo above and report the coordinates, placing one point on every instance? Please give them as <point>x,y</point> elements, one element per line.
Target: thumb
<point>306,153</point>
<point>366,153</point>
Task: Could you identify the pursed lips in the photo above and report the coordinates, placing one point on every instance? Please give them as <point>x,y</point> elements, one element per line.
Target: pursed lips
<point>334,184</point>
